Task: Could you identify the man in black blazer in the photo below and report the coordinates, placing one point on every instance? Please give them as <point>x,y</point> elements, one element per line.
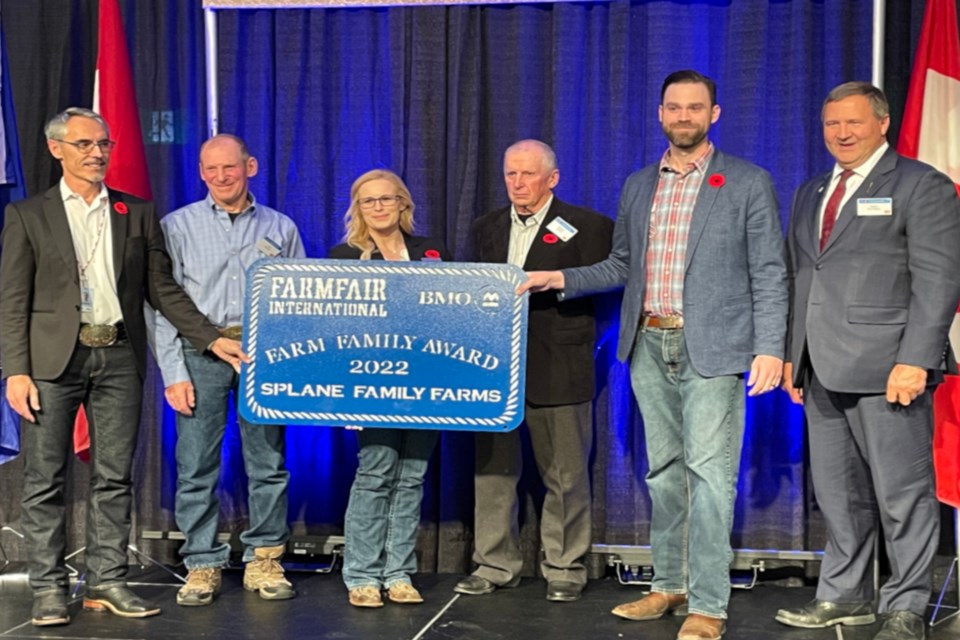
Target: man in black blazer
<point>539,232</point>
<point>874,267</point>
<point>77,264</point>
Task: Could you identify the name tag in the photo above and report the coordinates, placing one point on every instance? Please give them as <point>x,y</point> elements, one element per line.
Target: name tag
<point>268,247</point>
<point>874,206</point>
<point>562,229</point>
<point>86,298</point>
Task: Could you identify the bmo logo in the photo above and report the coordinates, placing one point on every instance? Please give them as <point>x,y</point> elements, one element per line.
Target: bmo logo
<point>449,298</point>
<point>490,300</point>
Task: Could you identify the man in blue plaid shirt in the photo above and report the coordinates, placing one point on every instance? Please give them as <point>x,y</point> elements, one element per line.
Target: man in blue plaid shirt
<point>211,243</point>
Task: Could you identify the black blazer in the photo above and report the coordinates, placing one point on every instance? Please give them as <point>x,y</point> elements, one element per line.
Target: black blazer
<point>561,335</point>
<point>40,286</point>
<point>417,246</point>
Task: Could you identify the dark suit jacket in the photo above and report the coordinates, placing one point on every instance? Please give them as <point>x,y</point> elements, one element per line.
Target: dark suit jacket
<point>885,288</point>
<point>416,247</point>
<point>40,286</point>
<point>560,335</point>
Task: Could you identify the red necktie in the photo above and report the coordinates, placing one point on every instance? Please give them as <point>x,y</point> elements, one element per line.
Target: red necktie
<point>833,206</point>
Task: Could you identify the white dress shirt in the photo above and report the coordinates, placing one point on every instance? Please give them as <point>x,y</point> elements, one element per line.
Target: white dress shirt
<point>853,182</point>
<point>93,244</point>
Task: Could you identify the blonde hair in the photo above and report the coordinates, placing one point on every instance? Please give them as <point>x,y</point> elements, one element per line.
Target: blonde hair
<point>357,233</point>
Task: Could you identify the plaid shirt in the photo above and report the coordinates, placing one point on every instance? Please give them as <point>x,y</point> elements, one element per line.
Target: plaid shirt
<point>210,254</point>
<point>669,227</point>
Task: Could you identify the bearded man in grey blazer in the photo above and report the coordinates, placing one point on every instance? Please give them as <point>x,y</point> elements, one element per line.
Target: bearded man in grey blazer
<point>875,269</point>
<point>698,244</point>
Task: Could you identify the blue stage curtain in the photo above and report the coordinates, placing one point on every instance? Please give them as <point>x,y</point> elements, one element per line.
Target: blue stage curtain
<point>438,93</point>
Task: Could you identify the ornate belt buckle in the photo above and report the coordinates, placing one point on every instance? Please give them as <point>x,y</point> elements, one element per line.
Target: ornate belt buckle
<point>671,322</point>
<point>232,333</point>
<point>97,335</point>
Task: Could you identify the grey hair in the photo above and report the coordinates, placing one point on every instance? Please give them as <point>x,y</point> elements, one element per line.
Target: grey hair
<point>56,126</point>
<point>878,101</point>
<point>549,157</point>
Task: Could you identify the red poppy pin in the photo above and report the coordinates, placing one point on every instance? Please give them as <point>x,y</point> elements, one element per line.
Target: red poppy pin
<point>431,254</point>
<point>716,180</point>
<point>549,238</point>
<point>120,208</point>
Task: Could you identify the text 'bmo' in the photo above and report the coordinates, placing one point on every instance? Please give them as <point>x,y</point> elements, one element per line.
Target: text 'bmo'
<point>456,298</point>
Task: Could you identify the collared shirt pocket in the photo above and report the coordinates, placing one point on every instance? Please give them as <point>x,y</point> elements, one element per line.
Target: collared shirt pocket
<point>269,247</point>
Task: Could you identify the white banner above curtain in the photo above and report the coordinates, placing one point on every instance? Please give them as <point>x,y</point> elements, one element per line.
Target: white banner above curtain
<point>307,4</point>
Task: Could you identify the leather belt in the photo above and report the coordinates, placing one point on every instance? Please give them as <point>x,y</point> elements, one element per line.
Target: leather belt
<point>232,333</point>
<point>662,322</point>
<point>101,335</point>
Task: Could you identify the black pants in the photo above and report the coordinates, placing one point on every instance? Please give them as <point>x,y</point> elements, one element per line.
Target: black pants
<point>107,382</point>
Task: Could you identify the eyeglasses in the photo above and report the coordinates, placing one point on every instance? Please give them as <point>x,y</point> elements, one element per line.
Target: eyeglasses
<point>385,201</point>
<point>86,146</point>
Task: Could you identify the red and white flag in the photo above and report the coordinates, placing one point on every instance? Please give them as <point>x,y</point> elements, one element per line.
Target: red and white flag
<point>931,133</point>
<point>114,98</point>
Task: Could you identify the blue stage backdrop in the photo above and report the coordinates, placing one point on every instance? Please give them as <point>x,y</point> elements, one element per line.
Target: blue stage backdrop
<point>437,94</point>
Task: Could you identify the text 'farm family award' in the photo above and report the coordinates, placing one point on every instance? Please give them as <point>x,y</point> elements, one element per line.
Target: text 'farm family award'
<point>426,345</point>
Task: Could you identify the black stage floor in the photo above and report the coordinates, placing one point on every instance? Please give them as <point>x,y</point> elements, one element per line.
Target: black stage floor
<point>321,611</point>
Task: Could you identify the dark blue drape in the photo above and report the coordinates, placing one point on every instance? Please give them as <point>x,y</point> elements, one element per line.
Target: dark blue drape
<point>437,93</point>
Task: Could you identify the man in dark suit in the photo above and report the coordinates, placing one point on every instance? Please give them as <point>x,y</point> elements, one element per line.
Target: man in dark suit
<point>874,264</point>
<point>699,247</point>
<point>77,263</point>
<point>539,232</point>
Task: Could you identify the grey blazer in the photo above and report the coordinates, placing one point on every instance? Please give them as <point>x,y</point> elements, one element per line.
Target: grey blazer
<point>885,288</point>
<point>734,287</point>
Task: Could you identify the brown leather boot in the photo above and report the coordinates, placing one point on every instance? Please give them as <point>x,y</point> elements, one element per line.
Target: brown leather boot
<point>653,606</point>
<point>701,627</point>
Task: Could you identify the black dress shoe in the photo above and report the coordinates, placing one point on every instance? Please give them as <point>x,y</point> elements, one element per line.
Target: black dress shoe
<point>119,601</point>
<point>476,586</point>
<point>818,614</point>
<point>901,625</point>
<point>564,591</point>
<point>50,609</point>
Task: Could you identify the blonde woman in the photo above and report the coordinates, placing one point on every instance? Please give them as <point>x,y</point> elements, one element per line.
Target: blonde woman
<point>383,513</point>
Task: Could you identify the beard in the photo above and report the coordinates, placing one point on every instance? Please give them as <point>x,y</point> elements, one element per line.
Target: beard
<point>686,138</point>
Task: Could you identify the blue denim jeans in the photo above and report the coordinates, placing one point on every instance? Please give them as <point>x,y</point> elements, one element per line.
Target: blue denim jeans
<point>383,514</point>
<point>199,442</point>
<point>106,380</point>
<point>694,433</point>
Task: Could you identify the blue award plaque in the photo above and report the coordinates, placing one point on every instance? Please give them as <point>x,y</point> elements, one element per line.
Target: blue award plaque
<point>427,345</point>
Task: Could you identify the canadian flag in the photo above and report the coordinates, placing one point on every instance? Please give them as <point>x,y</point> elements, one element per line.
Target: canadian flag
<point>114,98</point>
<point>931,133</point>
